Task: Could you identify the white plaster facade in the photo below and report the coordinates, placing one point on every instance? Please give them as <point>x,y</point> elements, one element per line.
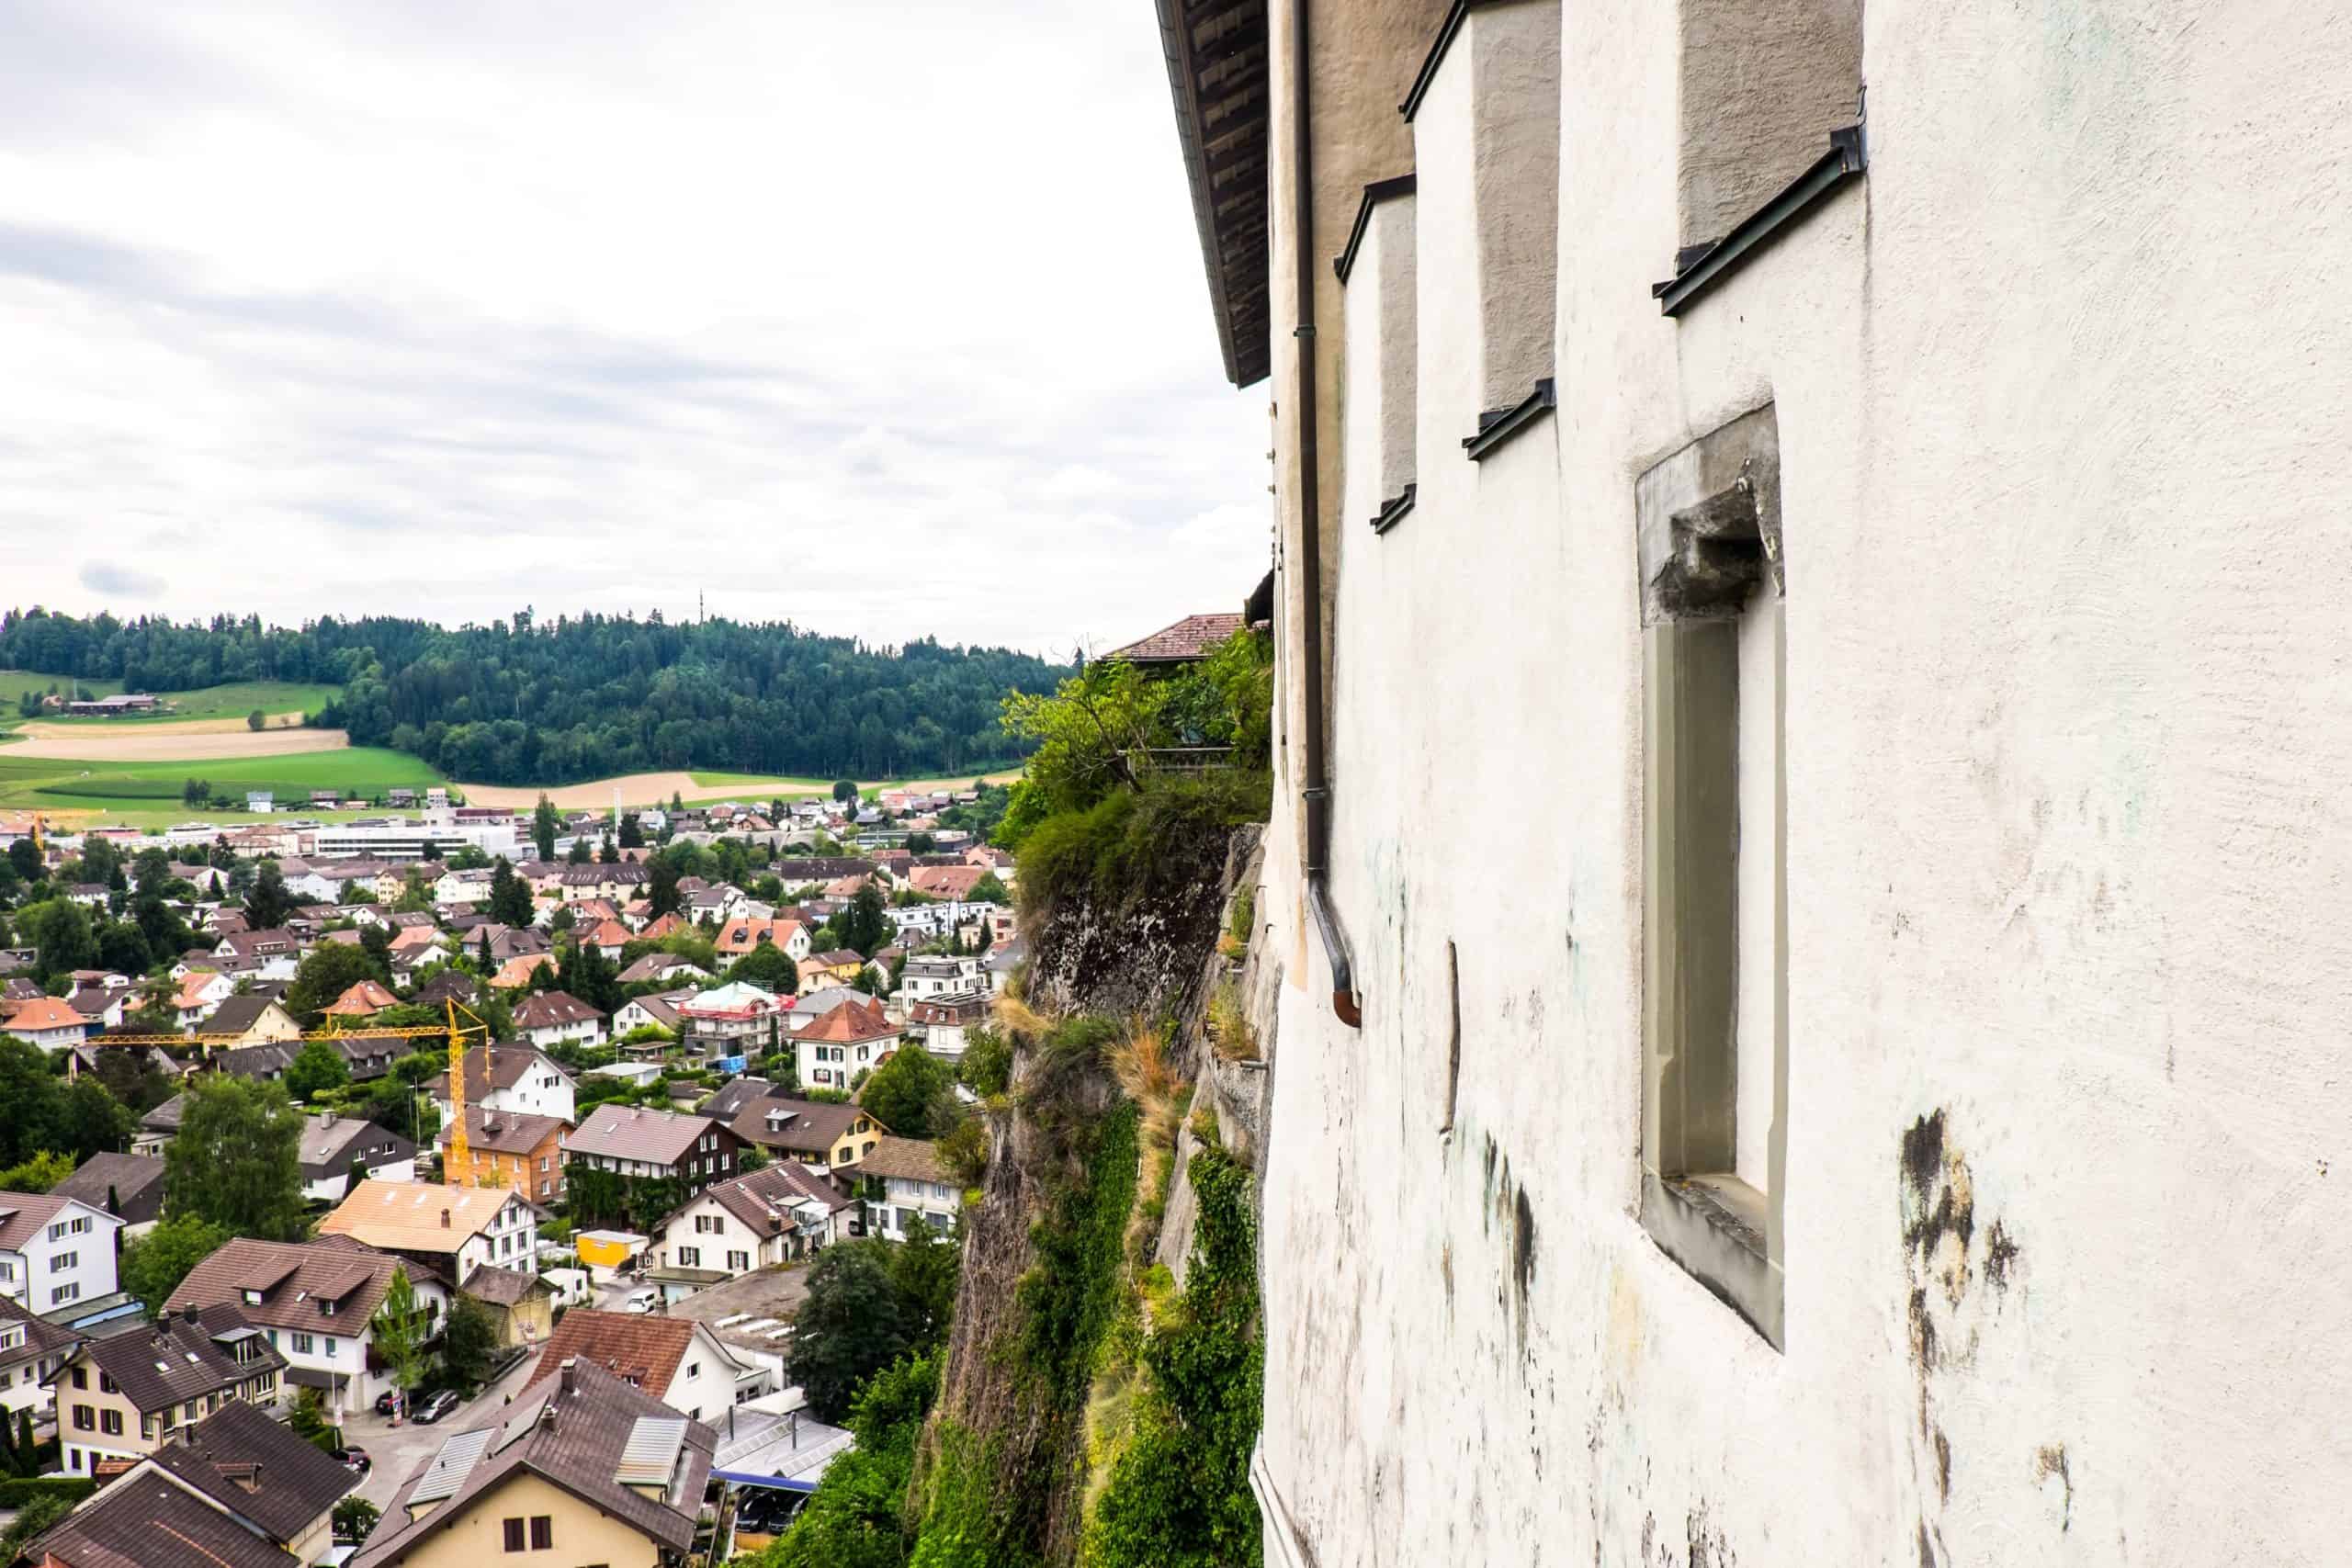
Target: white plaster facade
<point>906,1203</point>
<point>57,1252</point>
<point>2059,393</point>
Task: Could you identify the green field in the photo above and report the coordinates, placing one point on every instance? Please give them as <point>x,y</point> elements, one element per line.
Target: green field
<point>234,700</point>
<point>65,785</point>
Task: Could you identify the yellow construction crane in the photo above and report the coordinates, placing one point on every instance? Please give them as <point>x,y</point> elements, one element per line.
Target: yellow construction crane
<point>458,1033</point>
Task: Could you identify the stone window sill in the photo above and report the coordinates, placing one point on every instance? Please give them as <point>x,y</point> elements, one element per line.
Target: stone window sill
<point>1713,1227</point>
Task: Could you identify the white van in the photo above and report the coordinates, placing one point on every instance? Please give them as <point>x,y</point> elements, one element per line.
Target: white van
<point>641,1301</point>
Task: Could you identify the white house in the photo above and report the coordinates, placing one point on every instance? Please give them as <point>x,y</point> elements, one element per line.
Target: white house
<point>555,1017</point>
<point>511,1077</point>
<point>842,1042</point>
<point>764,1217</point>
<point>201,991</point>
<point>914,1188</point>
<point>316,1301</point>
<point>55,1251</point>
<point>676,1359</point>
<point>30,1349</point>
<point>47,1022</point>
<point>937,975</point>
<point>458,1229</point>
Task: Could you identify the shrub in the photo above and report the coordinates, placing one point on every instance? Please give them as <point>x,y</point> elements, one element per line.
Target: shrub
<point>23,1491</point>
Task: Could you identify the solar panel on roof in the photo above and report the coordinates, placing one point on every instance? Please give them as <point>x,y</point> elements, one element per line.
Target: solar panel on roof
<point>451,1466</point>
<point>651,1452</point>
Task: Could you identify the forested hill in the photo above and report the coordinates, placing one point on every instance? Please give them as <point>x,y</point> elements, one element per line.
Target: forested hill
<point>525,702</point>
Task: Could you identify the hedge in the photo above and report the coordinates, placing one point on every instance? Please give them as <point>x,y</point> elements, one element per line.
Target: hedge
<point>22,1491</point>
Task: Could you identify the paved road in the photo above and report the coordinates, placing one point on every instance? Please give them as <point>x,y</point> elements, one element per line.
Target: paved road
<point>397,1451</point>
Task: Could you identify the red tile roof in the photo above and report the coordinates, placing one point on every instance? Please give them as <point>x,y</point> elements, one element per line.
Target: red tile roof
<point>1188,640</point>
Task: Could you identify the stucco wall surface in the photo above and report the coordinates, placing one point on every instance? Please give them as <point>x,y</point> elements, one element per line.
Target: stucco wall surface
<point>2060,406</point>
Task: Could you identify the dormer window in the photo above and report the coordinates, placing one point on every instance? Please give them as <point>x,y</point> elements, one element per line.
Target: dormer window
<point>253,1298</point>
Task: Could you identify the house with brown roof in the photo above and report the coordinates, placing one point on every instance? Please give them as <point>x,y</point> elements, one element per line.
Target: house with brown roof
<point>663,969</point>
<point>609,936</point>
<point>315,1303</point>
<point>663,925</point>
<point>337,1147</point>
<point>516,973</point>
<point>119,1397</point>
<point>1188,641</point>
<point>644,1144</point>
<point>757,1220</point>
<point>559,1017</point>
<point>951,883</point>
<point>236,1490</point>
<point>453,1230</point>
<point>520,1303</point>
<point>814,1131</point>
<point>582,1468</point>
<point>364,998</point>
<point>510,1077</point>
<point>676,1359</point>
<point>128,1187</point>
<point>32,1347</point>
<point>746,934</point>
<point>844,1042</point>
<point>509,1148</point>
<point>906,1185</point>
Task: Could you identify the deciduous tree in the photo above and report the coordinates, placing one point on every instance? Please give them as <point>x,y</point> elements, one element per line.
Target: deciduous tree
<point>237,1159</point>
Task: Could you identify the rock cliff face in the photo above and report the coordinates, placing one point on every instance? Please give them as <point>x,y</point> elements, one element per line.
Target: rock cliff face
<point>1050,1249</point>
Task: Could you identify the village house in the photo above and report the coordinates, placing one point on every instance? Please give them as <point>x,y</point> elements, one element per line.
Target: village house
<point>453,1230</point>
<point>842,1043</point>
<point>652,1010</point>
<point>619,881</point>
<point>236,1490</point>
<point>906,1186</point>
<point>662,969</point>
<point>336,1147</point>
<point>250,1019</point>
<point>362,998</point>
<point>47,1022</point>
<point>158,1127</point>
<point>197,994</point>
<point>676,1359</point>
<point>946,1020</point>
<point>558,1018</point>
<point>509,1148</point>
<point>817,1133</point>
<point>510,1077</point>
<point>744,935</point>
<point>515,974</point>
<point>953,882</point>
<point>273,954</point>
<point>118,1398</point>
<point>128,1187</point>
<point>32,1347</point>
<point>646,1145</point>
<point>839,966</point>
<point>731,1020</point>
<point>56,1251</point>
<point>316,1302</point>
<point>581,1469</point>
<point>936,975</point>
<point>607,936</point>
<point>776,1214</point>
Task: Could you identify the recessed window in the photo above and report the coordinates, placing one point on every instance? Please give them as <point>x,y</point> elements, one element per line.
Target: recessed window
<point>542,1532</point>
<point>515,1534</point>
<point>1714,929</point>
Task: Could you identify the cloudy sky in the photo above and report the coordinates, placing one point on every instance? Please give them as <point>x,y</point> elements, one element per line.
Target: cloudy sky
<point>887,320</point>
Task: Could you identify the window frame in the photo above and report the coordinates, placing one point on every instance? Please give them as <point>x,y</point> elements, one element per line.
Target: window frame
<point>1710,536</point>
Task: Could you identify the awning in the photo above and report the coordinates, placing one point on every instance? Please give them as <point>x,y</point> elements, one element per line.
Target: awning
<point>745,1478</point>
<point>310,1377</point>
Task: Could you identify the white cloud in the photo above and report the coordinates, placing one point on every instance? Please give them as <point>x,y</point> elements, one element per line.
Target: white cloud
<point>891,322</point>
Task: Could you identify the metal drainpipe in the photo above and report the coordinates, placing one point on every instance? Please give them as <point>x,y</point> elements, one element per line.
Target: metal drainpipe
<point>1318,793</point>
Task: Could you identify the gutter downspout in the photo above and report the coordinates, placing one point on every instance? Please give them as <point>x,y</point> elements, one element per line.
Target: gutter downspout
<point>1318,792</point>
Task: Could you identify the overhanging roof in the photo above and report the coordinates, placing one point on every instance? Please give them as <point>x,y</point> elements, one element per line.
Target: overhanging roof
<point>1217,71</point>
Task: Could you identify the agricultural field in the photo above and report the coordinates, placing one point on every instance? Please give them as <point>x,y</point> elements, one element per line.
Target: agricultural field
<point>148,793</point>
<point>226,703</point>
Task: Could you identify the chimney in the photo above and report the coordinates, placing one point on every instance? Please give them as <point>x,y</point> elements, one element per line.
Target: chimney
<point>445,1219</point>
<point>188,1312</point>
<point>569,1381</point>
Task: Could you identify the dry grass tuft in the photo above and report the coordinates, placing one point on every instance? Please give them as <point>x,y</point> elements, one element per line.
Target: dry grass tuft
<point>1139,1061</point>
<point>1228,1025</point>
<point>1017,1017</point>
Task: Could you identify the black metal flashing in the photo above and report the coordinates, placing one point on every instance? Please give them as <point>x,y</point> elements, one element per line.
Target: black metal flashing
<point>1446,32</point>
<point>1499,425</point>
<point>1375,193</point>
<point>1393,511</point>
<point>1846,160</point>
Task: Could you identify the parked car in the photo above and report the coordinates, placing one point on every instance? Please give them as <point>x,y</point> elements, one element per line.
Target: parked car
<point>641,1301</point>
<point>431,1409</point>
<point>355,1460</point>
<point>385,1401</point>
